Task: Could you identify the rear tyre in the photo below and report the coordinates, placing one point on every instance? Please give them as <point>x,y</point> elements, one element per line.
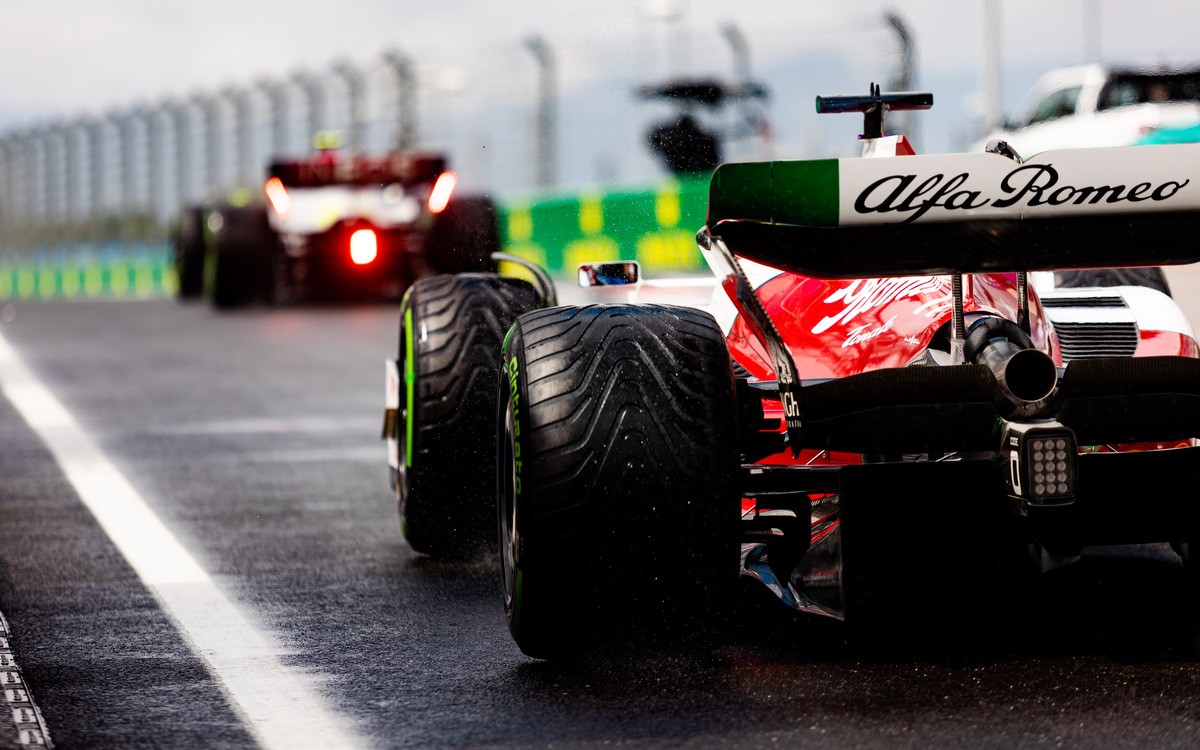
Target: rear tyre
<point>618,511</point>
<point>187,249</point>
<point>1187,550</point>
<point>451,332</point>
<point>243,256</point>
<point>464,236</point>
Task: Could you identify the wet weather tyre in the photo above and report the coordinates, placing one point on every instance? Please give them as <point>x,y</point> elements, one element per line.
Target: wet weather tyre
<point>618,510</point>
<point>1187,549</point>
<point>451,331</point>
<point>243,256</point>
<point>464,236</point>
<point>187,247</point>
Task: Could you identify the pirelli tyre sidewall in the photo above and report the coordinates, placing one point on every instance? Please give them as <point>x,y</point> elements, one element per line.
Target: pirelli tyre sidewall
<point>618,514</point>
<point>451,331</point>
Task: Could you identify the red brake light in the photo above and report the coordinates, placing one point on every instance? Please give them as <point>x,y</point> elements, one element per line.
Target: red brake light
<point>277,195</point>
<point>364,246</point>
<point>439,197</point>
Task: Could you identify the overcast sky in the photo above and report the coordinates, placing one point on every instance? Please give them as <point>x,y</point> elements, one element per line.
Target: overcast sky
<point>74,57</point>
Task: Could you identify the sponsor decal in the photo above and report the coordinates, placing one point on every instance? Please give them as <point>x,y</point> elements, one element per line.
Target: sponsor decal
<point>516,423</point>
<point>862,295</point>
<point>957,187</point>
<point>860,334</point>
<point>1029,185</point>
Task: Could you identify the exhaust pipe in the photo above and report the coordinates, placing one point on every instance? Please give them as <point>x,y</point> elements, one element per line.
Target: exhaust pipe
<point>1025,374</point>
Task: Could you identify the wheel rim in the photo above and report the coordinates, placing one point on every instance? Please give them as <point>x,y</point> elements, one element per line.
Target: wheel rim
<point>507,499</point>
<point>410,378</point>
<point>404,425</point>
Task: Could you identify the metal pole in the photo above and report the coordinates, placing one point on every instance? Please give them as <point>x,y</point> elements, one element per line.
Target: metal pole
<point>239,99</point>
<point>54,168</point>
<point>74,204</point>
<point>37,153</point>
<point>277,102</point>
<point>17,197</point>
<point>406,99</point>
<point>752,118</point>
<point>906,75</point>
<point>210,115</point>
<point>314,97</point>
<point>1091,31</point>
<point>993,108</point>
<point>155,163</point>
<point>13,197</point>
<point>23,185</point>
<point>355,86</point>
<point>97,175</point>
<point>127,159</point>
<point>180,115</point>
<point>7,184</point>
<point>544,128</point>
<point>741,58</point>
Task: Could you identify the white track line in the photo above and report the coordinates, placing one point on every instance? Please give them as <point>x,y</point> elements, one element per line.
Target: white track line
<point>278,704</point>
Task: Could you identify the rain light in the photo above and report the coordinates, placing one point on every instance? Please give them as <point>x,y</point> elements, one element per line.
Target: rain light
<point>363,246</point>
<point>1041,463</point>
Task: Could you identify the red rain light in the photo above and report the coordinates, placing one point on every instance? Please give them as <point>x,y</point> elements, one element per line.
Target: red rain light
<point>439,197</point>
<point>364,246</point>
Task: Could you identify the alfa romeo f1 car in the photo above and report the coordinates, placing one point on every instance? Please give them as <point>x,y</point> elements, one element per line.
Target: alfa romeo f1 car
<point>331,226</point>
<point>922,376</point>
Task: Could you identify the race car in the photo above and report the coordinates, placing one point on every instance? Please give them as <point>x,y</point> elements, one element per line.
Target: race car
<point>904,393</point>
<point>335,227</point>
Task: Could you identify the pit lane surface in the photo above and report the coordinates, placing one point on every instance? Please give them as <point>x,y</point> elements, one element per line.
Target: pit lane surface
<point>253,438</point>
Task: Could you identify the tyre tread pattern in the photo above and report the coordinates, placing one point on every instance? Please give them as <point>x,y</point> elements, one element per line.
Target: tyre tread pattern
<point>628,500</point>
<point>460,322</point>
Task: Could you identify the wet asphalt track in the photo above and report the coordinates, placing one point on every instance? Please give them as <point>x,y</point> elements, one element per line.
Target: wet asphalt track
<point>253,436</point>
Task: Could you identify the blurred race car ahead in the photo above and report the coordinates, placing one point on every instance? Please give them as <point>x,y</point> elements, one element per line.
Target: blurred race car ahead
<point>931,376</point>
<point>1102,105</point>
<point>332,226</point>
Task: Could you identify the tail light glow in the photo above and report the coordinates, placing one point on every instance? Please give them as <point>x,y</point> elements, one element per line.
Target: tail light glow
<point>364,246</point>
<point>278,196</point>
<point>439,197</point>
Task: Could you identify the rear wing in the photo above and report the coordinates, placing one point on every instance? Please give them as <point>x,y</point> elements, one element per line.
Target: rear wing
<point>943,214</point>
<point>358,171</point>
<point>962,213</point>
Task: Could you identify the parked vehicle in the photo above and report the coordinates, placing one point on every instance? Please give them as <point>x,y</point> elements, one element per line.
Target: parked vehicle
<point>1093,105</point>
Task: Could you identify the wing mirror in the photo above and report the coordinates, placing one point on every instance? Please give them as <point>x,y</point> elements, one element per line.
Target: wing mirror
<point>609,274</point>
